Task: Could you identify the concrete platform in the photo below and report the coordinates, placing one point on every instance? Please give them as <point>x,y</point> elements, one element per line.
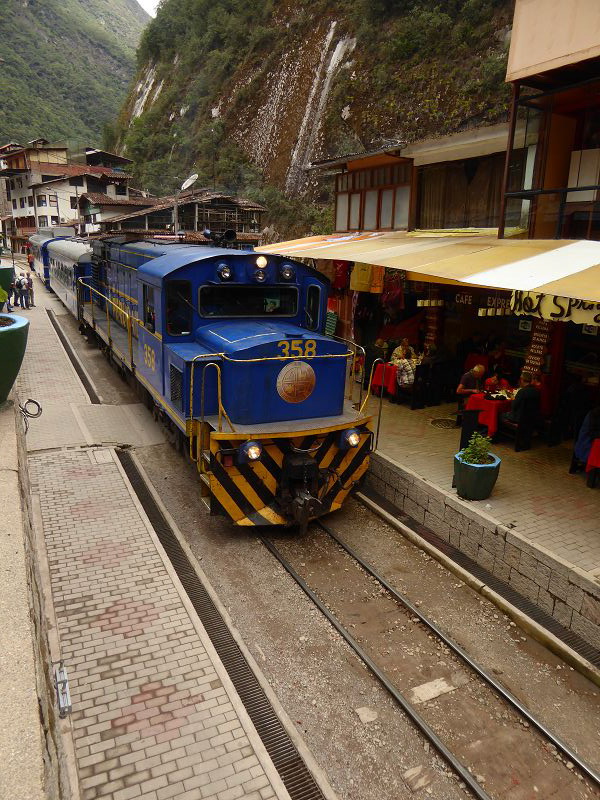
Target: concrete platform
<point>155,715</point>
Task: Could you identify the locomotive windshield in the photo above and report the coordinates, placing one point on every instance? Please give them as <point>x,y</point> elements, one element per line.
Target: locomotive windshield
<point>248,301</point>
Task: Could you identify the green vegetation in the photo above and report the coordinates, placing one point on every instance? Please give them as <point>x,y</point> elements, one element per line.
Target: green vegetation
<point>67,66</point>
<point>420,68</point>
<point>477,451</point>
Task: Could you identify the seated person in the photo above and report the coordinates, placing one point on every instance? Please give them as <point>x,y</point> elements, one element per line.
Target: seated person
<point>527,401</point>
<point>495,383</point>
<point>404,350</point>
<point>406,370</point>
<point>590,430</point>
<point>471,381</point>
<point>431,355</point>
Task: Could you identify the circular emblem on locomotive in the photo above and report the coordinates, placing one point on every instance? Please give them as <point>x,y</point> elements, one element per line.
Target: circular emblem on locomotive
<point>296,382</point>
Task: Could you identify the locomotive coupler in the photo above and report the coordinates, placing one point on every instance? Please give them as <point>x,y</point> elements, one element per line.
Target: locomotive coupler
<point>300,478</point>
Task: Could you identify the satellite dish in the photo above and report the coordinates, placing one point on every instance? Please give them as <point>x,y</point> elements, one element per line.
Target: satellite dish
<point>189,181</point>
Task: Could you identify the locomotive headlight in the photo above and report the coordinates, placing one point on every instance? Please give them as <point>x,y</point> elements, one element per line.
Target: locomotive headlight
<point>250,451</point>
<point>224,272</point>
<point>260,275</point>
<point>349,438</point>
<point>287,272</point>
<point>261,262</point>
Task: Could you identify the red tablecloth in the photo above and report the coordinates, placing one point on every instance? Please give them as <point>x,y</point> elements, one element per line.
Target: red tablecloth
<point>488,410</point>
<point>390,377</point>
<point>593,461</point>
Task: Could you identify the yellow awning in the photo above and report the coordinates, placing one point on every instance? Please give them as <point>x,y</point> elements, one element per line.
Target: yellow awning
<point>556,266</point>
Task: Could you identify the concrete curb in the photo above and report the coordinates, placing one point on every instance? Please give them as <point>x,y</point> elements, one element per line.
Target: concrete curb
<point>531,627</point>
<point>316,771</point>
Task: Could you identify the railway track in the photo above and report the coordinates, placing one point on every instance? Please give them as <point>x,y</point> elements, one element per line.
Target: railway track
<point>469,775</point>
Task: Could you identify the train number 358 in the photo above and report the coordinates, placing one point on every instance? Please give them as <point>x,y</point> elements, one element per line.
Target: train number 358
<point>298,348</point>
<point>149,357</point>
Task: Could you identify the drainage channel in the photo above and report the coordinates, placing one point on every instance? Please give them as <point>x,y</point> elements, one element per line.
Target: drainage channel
<point>571,639</point>
<point>294,773</point>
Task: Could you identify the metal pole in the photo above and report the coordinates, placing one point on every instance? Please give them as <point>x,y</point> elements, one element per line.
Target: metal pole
<point>176,214</point>
<point>512,124</point>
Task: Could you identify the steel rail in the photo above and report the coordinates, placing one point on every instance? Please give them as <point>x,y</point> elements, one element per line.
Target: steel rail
<point>504,693</point>
<point>408,709</point>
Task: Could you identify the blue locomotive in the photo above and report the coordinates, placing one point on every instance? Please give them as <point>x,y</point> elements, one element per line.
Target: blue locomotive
<point>229,347</point>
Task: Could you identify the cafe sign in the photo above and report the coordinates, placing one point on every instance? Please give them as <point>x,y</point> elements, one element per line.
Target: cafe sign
<point>555,308</point>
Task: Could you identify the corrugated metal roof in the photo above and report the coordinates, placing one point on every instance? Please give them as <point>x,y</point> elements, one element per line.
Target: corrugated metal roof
<point>99,199</point>
<point>164,203</point>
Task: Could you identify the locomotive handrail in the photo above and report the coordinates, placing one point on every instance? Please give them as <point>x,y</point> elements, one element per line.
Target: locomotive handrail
<point>357,347</point>
<point>285,358</point>
<point>377,361</point>
<point>222,411</point>
<point>119,310</point>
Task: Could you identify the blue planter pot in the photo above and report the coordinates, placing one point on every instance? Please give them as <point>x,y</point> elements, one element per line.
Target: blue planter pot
<point>475,481</point>
<point>13,341</point>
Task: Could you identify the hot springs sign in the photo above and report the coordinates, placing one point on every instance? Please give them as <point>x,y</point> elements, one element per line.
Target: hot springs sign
<point>553,307</point>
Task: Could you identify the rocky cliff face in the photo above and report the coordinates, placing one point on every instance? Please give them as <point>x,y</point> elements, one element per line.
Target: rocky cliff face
<point>248,93</point>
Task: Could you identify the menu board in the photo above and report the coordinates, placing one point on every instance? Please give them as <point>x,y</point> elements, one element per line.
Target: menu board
<point>538,347</point>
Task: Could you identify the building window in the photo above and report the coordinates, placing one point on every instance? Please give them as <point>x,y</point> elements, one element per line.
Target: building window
<point>149,308</point>
<point>354,216</point>
<point>121,189</point>
<point>53,220</point>
<point>14,204</point>
<point>53,200</point>
<point>341,212</point>
<point>370,213</point>
<point>179,308</point>
<point>73,201</point>
<point>313,301</point>
<point>386,208</point>
<point>41,200</point>
<point>402,201</point>
<point>12,185</point>
<point>19,183</point>
<point>78,181</point>
<point>30,200</point>
<point>42,221</point>
<point>22,202</point>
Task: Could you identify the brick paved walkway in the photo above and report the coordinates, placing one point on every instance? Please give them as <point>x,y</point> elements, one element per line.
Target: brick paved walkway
<point>534,494</point>
<point>155,715</point>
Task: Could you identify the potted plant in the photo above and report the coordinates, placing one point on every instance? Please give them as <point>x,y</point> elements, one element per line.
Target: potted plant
<point>13,340</point>
<point>476,469</point>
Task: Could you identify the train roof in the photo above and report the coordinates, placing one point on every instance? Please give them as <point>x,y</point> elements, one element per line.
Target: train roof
<point>40,238</point>
<point>164,265</point>
<point>75,249</point>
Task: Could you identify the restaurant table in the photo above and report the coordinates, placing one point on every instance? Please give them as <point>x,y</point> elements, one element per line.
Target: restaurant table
<point>593,461</point>
<point>390,377</point>
<point>489,410</point>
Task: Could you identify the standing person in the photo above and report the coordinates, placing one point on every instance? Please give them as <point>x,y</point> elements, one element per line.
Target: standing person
<point>12,293</point>
<point>30,290</point>
<point>21,285</point>
<point>30,260</point>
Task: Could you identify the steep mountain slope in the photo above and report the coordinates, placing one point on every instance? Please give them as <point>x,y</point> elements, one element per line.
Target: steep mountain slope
<point>67,66</point>
<point>247,92</point>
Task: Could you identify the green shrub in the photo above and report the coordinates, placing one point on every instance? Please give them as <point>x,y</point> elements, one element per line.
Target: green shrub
<point>477,451</point>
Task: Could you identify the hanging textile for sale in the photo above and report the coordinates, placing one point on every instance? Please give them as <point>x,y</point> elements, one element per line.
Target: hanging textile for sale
<point>393,290</point>
<point>360,280</point>
<point>353,314</point>
<point>341,276</point>
<point>331,319</point>
<point>377,279</point>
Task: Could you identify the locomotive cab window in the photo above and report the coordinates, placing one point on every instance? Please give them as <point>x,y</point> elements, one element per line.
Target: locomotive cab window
<point>248,301</point>
<point>179,308</point>
<point>313,301</point>
<point>149,308</point>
